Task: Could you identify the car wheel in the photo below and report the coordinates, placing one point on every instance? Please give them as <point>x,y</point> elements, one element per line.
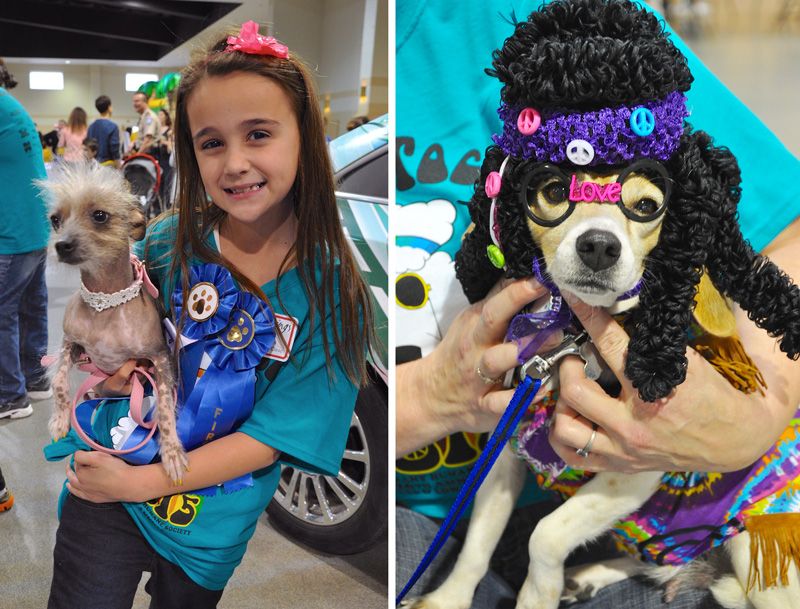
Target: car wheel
<point>347,513</point>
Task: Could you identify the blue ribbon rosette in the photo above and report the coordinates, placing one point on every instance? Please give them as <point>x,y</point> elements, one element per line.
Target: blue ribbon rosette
<point>226,334</point>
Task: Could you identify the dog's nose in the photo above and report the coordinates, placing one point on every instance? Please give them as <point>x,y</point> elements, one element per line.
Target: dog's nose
<point>599,249</point>
<point>64,248</point>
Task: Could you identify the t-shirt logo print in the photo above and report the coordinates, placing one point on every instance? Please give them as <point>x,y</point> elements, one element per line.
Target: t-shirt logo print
<point>177,510</point>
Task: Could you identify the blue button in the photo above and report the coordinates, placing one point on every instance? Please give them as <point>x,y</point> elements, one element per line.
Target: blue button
<point>642,122</point>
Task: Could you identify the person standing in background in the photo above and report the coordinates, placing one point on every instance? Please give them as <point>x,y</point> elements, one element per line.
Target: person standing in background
<point>106,133</point>
<point>147,139</point>
<point>72,136</point>
<point>24,231</point>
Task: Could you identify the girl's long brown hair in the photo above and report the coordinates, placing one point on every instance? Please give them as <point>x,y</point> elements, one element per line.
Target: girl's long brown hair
<point>77,119</point>
<point>320,239</point>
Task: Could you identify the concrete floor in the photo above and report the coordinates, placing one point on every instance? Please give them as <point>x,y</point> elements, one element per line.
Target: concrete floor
<point>275,573</point>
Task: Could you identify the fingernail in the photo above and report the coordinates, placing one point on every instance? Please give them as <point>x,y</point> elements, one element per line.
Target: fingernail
<point>535,285</point>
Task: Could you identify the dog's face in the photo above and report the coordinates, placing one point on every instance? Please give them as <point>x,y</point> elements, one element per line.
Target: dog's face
<point>93,217</point>
<point>598,250</point>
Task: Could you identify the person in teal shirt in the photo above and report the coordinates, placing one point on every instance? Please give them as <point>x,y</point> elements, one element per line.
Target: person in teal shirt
<point>256,197</point>
<point>24,231</point>
<point>446,113</point>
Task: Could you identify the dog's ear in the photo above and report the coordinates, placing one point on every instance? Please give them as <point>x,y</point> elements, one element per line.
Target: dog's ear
<point>759,287</point>
<point>656,361</point>
<point>137,222</point>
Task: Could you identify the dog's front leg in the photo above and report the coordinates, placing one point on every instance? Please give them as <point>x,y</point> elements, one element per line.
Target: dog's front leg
<point>592,511</point>
<point>173,456</point>
<point>58,426</point>
<point>493,505</point>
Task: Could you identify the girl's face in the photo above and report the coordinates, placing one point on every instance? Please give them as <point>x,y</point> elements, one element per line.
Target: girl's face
<point>247,143</point>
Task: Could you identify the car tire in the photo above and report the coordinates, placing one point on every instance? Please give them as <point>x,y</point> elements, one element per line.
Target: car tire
<point>366,523</point>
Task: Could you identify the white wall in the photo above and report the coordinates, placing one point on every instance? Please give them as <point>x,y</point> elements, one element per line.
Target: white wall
<point>82,85</point>
<point>344,42</point>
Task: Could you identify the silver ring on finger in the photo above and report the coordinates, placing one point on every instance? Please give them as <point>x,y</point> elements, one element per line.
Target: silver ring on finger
<point>584,452</point>
<point>487,380</point>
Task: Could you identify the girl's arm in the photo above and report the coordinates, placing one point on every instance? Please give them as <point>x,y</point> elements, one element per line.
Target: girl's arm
<point>101,478</point>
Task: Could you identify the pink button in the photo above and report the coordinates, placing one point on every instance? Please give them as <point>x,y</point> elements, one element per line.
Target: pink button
<point>528,121</point>
<point>492,186</point>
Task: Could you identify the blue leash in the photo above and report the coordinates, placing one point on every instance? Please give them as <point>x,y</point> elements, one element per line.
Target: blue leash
<point>523,396</point>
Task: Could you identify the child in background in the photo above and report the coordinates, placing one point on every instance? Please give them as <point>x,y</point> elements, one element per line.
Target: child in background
<point>256,196</point>
<point>72,135</point>
<point>90,148</point>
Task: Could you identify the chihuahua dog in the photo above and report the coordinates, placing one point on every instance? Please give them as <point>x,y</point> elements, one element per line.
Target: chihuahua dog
<point>112,318</point>
<point>599,187</point>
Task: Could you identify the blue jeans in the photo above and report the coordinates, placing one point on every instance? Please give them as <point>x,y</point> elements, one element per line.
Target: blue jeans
<point>99,558</point>
<point>415,533</point>
<point>23,322</point>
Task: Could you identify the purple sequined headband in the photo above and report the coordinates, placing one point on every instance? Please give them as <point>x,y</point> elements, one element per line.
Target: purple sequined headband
<point>610,136</point>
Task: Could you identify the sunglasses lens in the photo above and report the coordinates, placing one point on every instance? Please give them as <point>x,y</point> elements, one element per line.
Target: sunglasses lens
<point>411,292</point>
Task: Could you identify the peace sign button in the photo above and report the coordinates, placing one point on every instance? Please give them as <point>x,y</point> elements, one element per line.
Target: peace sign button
<point>580,152</point>
<point>528,121</point>
<point>642,122</point>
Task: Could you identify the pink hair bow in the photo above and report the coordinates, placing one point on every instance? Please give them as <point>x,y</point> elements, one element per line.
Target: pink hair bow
<point>249,41</point>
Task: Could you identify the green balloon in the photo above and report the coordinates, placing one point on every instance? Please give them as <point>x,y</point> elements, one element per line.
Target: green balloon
<point>147,87</point>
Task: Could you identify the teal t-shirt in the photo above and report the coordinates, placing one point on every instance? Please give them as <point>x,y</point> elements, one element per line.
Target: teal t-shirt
<point>446,113</point>
<point>303,413</point>
<point>23,211</point>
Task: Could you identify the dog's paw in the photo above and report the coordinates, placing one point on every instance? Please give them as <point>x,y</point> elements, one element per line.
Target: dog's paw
<point>58,426</point>
<point>583,582</point>
<point>429,602</point>
<point>576,591</point>
<point>173,458</point>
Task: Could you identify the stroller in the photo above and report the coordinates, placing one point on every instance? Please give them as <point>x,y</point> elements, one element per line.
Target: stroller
<point>143,173</point>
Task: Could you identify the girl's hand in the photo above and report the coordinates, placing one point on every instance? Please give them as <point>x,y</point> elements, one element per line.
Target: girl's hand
<point>101,478</point>
<point>119,384</point>
<point>704,425</point>
<point>443,392</point>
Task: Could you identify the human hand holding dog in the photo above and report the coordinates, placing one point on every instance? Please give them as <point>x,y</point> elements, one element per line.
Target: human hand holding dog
<point>442,392</point>
<point>704,425</point>
<point>119,383</point>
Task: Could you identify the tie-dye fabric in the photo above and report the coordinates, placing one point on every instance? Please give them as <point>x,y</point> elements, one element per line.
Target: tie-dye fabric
<point>690,513</point>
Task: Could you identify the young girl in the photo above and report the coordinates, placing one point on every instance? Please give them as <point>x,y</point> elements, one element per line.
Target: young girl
<point>255,196</point>
<point>72,136</point>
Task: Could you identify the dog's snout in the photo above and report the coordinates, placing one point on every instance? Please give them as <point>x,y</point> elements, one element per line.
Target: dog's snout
<point>65,248</point>
<point>599,249</point>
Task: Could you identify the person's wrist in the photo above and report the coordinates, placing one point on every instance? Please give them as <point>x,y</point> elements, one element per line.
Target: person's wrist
<point>437,389</point>
<point>144,483</point>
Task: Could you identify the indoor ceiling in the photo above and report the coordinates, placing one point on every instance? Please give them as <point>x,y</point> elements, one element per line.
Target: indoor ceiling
<point>117,30</point>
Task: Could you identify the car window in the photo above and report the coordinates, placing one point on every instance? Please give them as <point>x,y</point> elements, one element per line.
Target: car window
<point>354,144</point>
<point>370,179</point>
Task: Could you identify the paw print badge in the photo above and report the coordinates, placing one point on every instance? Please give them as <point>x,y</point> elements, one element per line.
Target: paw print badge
<point>211,298</point>
<point>203,301</point>
<point>249,335</point>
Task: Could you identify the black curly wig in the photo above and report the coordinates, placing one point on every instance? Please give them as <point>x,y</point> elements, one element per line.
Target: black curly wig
<point>584,55</point>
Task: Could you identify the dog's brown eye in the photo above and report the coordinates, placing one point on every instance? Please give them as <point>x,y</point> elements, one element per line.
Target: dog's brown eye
<point>55,221</point>
<point>99,216</point>
<point>646,207</point>
<point>555,193</point>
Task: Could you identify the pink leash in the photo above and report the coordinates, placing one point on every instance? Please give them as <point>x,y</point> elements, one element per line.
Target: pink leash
<point>97,376</point>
